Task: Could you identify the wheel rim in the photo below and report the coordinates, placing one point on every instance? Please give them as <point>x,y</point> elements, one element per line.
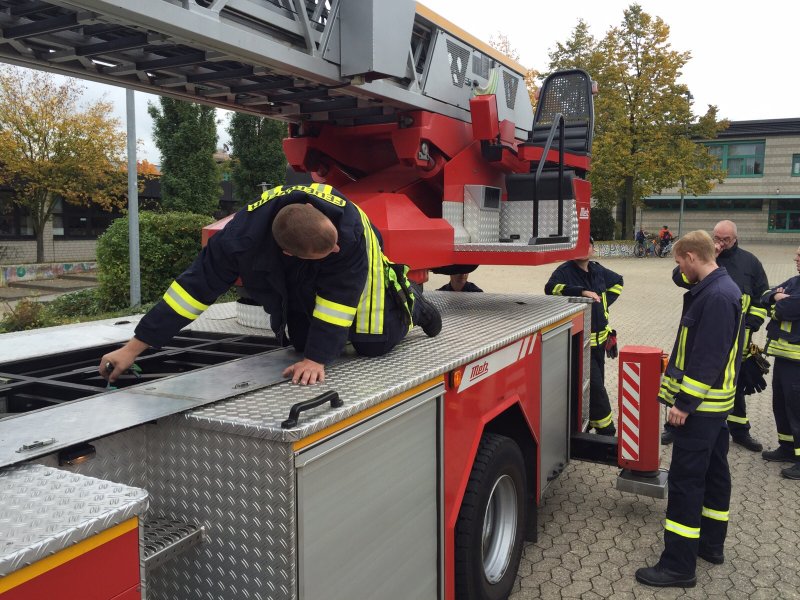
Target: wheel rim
<point>499,529</point>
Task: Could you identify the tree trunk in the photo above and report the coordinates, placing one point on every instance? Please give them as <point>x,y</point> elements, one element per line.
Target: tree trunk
<point>40,244</point>
<point>630,209</point>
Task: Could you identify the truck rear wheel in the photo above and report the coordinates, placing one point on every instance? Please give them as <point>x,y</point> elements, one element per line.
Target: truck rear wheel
<point>491,522</point>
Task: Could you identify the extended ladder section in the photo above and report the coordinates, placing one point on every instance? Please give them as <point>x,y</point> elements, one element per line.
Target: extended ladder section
<point>348,62</point>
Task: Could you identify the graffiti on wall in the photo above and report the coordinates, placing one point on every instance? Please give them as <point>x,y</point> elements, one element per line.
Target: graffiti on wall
<point>17,273</point>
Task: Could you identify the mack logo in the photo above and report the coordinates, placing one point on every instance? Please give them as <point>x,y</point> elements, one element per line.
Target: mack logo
<point>479,370</point>
<point>584,213</point>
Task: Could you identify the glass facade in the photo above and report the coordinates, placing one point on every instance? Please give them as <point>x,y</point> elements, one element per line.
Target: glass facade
<point>784,215</point>
<point>739,159</point>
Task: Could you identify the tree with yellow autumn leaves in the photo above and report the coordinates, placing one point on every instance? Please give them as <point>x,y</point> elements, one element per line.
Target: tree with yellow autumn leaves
<point>53,147</point>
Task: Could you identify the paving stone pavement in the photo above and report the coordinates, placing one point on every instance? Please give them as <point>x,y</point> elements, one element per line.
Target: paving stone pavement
<point>592,538</point>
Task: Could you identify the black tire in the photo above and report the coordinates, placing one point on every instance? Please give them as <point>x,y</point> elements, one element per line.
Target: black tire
<point>638,250</point>
<point>491,523</point>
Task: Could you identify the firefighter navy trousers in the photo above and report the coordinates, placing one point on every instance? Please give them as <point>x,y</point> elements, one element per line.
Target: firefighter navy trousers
<point>786,403</point>
<point>599,405</point>
<point>699,493</point>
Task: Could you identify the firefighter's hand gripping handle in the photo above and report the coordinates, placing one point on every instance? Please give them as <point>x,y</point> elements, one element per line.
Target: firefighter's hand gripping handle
<point>294,412</point>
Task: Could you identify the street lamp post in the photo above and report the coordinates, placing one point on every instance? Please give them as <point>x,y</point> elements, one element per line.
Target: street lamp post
<point>689,99</point>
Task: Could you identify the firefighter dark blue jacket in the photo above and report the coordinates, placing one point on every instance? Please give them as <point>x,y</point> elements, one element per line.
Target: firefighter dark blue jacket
<point>343,293</point>
<point>702,369</point>
<point>570,280</point>
<point>783,331</point>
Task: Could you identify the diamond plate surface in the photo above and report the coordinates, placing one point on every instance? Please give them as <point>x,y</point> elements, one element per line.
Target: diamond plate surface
<point>221,318</point>
<point>483,225</point>
<point>242,491</point>
<point>453,213</point>
<point>516,218</point>
<point>471,328</point>
<point>44,510</point>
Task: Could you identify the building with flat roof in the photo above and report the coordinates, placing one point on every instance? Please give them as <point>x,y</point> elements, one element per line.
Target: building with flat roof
<point>761,190</point>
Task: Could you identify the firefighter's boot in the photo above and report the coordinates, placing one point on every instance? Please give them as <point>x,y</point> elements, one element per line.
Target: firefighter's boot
<point>426,315</point>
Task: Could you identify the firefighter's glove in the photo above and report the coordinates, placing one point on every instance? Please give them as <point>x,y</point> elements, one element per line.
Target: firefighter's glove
<point>754,368</point>
<point>611,344</point>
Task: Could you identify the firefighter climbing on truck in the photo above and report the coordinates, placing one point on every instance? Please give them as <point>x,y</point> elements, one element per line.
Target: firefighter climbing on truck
<point>314,262</point>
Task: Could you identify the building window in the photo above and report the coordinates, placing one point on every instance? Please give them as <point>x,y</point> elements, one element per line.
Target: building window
<point>796,165</point>
<point>739,159</point>
<point>15,221</point>
<point>784,215</point>
<point>692,203</point>
<point>80,222</point>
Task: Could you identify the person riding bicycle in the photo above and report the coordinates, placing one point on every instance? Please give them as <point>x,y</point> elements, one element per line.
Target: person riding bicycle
<point>665,236</point>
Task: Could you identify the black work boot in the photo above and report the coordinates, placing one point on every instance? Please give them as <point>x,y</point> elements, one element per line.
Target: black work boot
<point>660,577</point>
<point>610,430</point>
<point>426,315</point>
<point>780,454</point>
<point>748,441</point>
<point>715,557</point>
<point>667,436</point>
<point>792,472</point>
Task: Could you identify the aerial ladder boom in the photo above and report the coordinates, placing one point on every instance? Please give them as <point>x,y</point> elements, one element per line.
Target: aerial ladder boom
<point>428,129</point>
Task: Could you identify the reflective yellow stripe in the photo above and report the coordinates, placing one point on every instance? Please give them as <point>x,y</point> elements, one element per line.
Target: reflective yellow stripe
<point>757,311</point>
<point>729,381</point>
<point>694,387</point>
<point>558,289</point>
<point>179,300</point>
<point>783,349</point>
<point>782,437</point>
<point>786,326</point>
<point>684,278</point>
<point>797,451</point>
<point>369,317</point>
<point>715,407</point>
<point>692,533</point>
<point>615,289</point>
<point>598,339</point>
<point>605,422</point>
<point>679,358</point>
<point>735,419</point>
<point>717,515</point>
<point>333,312</point>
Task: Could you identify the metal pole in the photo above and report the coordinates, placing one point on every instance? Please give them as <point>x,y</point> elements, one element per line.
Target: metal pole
<point>133,202</point>
<point>680,216</point>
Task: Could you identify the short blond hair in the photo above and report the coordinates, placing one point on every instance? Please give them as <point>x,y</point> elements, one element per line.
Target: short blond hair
<point>302,230</point>
<point>698,243</point>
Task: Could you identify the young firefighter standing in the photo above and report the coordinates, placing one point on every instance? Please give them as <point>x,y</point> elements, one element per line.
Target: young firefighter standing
<point>699,387</point>
<point>588,278</point>
<point>783,342</point>
<point>313,260</point>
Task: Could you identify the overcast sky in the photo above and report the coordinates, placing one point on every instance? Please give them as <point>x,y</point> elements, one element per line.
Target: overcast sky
<point>743,53</point>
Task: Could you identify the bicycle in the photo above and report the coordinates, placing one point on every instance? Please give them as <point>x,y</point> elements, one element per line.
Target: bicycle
<point>663,250</point>
<point>644,249</point>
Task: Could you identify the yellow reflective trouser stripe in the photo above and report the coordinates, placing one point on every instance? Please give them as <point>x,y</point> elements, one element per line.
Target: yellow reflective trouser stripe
<point>782,437</point>
<point>748,334</point>
<point>717,515</point>
<point>735,419</point>
<point>682,530</point>
<point>604,422</point>
<point>369,318</point>
<point>558,289</point>
<point>783,349</point>
<point>757,311</point>
<point>786,326</point>
<point>183,303</point>
<point>333,312</point>
<point>615,289</point>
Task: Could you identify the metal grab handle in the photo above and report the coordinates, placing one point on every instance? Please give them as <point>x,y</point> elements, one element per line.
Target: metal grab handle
<point>296,409</point>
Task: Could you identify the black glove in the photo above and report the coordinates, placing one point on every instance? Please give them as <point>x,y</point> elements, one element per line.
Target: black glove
<point>611,344</point>
<point>751,374</point>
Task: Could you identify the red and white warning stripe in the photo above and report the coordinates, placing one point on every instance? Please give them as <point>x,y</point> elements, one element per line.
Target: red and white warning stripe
<point>486,366</point>
<point>631,411</point>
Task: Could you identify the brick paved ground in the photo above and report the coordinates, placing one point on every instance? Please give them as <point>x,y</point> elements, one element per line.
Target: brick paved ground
<point>593,538</point>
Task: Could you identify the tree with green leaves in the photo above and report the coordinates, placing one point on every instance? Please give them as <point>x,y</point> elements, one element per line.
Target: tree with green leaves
<point>186,136</point>
<point>644,124</point>
<point>257,154</point>
<point>52,148</point>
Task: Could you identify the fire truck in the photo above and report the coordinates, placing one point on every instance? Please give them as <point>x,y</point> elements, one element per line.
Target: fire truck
<point>413,475</point>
